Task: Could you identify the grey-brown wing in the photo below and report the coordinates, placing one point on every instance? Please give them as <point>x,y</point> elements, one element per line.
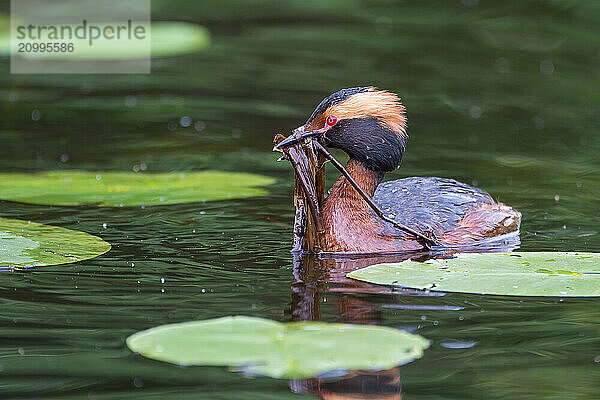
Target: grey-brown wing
<point>429,204</point>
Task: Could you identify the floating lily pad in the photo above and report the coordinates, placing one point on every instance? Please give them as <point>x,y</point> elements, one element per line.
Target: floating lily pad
<point>4,34</point>
<point>167,39</point>
<point>120,189</point>
<point>258,346</point>
<point>26,244</point>
<point>175,38</point>
<point>514,274</point>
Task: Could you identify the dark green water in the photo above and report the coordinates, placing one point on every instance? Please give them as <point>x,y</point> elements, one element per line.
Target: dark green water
<point>504,95</point>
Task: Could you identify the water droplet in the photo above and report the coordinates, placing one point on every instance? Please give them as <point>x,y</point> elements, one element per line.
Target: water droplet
<point>130,101</point>
<point>13,96</point>
<point>36,115</point>
<point>185,121</point>
<point>546,67</point>
<point>475,112</point>
<point>199,126</point>
<point>538,123</point>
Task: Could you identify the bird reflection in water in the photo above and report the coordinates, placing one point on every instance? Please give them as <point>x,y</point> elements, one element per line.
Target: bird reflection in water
<point>316,277</point>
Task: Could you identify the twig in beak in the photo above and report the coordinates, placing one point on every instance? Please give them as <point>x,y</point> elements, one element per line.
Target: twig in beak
<point>308,225</point>
<point>311,194</point>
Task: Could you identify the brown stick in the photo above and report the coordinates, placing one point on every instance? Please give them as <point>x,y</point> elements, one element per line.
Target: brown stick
<point>429,242</point>
<point>312,205</point>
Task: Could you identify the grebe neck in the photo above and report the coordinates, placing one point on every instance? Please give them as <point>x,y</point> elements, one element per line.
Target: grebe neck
<point>366,178</point>
<point>350,224</point>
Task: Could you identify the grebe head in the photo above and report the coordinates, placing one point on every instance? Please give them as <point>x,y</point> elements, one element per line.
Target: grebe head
<point>366,123</point>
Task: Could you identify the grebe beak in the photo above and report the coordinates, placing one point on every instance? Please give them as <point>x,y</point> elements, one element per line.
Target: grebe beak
<point>297,137</point>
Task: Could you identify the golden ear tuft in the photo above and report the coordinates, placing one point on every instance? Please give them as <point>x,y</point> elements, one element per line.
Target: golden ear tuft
<point>374,103</point>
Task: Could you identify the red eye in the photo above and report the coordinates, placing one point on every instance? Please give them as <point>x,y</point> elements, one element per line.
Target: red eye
<point>331,121</point>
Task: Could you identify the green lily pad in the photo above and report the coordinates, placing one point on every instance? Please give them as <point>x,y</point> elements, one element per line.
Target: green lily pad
<point>167,39</point>
<point>513,274</point>
<point>26,244</point>
<point>120,189</point>
<point>176,38</point>
<point>258,346</point>
<point>4,34</point>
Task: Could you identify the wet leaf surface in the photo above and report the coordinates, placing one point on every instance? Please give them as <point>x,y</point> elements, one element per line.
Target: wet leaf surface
<point>26,244</point>
<point>514,274</point>
<point>259,346</point>
<point>122,189</point>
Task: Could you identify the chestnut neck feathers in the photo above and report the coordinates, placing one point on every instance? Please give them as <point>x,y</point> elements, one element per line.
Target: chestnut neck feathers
<point>351,226</point>
<point>366,178</point>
